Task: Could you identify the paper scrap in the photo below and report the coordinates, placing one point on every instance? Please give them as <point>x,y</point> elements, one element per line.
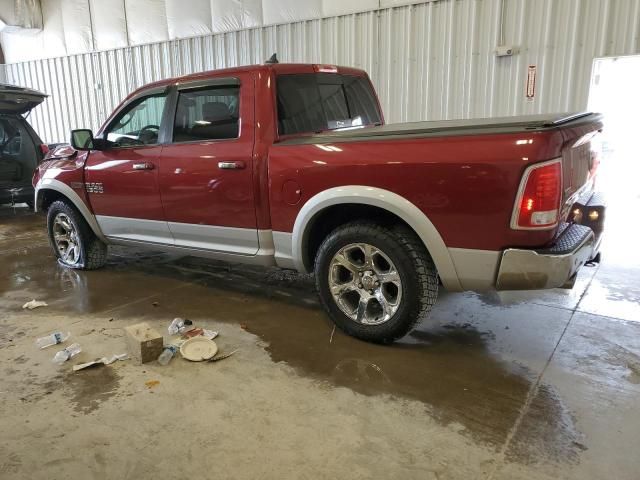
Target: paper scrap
<point>100,361</point>
<point>34,304</point>
<point>210,334</point>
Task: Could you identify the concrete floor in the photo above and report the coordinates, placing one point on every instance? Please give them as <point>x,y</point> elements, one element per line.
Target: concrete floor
<point>511,386</point>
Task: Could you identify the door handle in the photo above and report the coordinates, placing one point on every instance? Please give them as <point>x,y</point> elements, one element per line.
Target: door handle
<point>143,166</point>
<point>231,165</point>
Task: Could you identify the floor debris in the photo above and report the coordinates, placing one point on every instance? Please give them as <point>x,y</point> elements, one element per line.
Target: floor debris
<point>167,354</point>
<point>178,325</point>
<point>223,356</point>
<point>210,334</point>
<point>67,353</point>
<point>194,332</point>
<point>144,343</point>
<point>100,361</point>
<point>52,339</point>
<point>198,349</point>
<point>152,383</point>
<point>34,304</point>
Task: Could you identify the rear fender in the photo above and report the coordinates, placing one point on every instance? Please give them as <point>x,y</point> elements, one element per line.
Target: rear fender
<point>393,203</point>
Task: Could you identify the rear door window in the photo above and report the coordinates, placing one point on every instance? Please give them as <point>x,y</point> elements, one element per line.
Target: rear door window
<point>324,101</point>
<point>210,113</point>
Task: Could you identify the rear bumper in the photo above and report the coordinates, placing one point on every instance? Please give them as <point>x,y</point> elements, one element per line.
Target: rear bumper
<point>533,269</point>
<point>551,268</point>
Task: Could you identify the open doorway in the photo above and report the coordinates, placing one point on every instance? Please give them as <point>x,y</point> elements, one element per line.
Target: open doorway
<point>615,92</point>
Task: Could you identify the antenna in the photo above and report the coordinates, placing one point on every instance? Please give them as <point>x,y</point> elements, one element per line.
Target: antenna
<point>273,59</point>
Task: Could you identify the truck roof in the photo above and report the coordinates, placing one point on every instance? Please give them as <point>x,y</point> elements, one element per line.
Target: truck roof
<point>277,68</point>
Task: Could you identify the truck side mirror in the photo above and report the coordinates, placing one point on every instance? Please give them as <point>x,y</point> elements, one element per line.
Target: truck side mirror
<point>82,139</point>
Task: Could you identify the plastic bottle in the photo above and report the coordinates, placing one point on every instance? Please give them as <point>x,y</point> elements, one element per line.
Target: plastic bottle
<point>167,354</point>
<point>66,353</point>
<point>178,325</point>
<point>52,339</point>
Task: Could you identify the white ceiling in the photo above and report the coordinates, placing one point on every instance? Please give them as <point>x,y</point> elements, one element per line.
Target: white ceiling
<point>81,26</point>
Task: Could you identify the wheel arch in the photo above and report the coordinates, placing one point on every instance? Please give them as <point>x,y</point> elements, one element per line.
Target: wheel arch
<point>48,191</point>
<point>386,203</point>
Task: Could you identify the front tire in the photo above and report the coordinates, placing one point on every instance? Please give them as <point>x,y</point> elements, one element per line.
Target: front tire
<point>73,242</point>
<point>376,283</point>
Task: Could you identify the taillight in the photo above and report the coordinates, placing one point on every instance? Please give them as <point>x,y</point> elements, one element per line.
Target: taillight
<point>538,201</point>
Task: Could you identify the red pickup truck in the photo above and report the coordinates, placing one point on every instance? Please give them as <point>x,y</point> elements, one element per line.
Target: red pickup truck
<point>292,165</point>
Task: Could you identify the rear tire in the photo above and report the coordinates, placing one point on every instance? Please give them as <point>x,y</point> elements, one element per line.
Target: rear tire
<point>381,299</point>
<point>73,242</point>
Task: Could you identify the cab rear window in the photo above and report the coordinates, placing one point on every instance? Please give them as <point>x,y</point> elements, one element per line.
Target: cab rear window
<point>316,102</point>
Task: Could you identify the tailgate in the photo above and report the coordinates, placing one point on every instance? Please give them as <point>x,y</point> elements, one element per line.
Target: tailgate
<point>580,159</point>
<point>19,100</point>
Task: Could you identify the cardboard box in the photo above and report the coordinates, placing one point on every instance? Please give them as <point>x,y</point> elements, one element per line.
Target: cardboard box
<point>143,342</point>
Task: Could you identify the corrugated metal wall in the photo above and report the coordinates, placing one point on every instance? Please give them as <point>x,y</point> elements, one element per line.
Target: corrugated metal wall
<point>429,61</point>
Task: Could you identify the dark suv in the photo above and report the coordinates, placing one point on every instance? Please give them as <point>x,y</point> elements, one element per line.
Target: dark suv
<point>20,147</point>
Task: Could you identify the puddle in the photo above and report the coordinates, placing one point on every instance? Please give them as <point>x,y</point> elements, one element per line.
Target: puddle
<point>547,433</point>
<point>90,388</point>
<point>20,224</point>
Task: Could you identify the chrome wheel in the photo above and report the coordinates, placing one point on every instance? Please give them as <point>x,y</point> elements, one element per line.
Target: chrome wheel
<point>65,237</point>
<point>365,284</point>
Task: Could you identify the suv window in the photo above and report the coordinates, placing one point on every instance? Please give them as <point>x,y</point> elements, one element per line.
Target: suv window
<point>139,123</point>
<point>324,101</point>
<point>207,114</point>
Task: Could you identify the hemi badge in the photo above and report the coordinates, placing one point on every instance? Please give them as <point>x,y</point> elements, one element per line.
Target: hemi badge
<point>94,187</point>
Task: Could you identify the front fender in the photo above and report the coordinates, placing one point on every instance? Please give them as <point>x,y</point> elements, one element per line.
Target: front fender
<point>50,184</point>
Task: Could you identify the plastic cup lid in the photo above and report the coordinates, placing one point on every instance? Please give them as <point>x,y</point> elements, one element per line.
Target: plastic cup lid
<point>198,349</point>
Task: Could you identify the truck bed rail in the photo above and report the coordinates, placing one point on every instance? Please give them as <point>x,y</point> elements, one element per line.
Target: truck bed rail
<point>478,126</point>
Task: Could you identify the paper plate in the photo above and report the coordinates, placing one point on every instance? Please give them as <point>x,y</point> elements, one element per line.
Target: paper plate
<point>198,349</point>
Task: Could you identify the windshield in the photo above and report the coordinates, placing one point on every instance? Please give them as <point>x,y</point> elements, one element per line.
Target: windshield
<point>314,102</point>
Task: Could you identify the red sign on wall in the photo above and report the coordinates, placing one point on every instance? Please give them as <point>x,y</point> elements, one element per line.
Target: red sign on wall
<point>531,82</point>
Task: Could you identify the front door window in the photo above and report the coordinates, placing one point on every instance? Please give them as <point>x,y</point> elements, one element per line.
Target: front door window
<point>138,124</point>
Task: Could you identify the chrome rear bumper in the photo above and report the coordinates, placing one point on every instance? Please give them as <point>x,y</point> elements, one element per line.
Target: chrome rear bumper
<point>551,268</point>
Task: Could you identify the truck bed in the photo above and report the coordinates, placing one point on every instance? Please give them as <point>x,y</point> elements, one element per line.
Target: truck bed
<point>528,123</point>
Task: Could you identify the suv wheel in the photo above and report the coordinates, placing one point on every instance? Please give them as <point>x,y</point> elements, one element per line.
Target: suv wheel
<point>376,283</point>
<point>72,240</point>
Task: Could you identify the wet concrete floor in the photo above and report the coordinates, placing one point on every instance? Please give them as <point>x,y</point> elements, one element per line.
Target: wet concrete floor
<point>496,386</point>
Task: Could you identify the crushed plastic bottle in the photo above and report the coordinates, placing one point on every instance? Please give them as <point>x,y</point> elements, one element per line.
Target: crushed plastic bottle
<point>167,354</point>
<point>178,325</point>
<point>67,353</point>
<point>52,339</point>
